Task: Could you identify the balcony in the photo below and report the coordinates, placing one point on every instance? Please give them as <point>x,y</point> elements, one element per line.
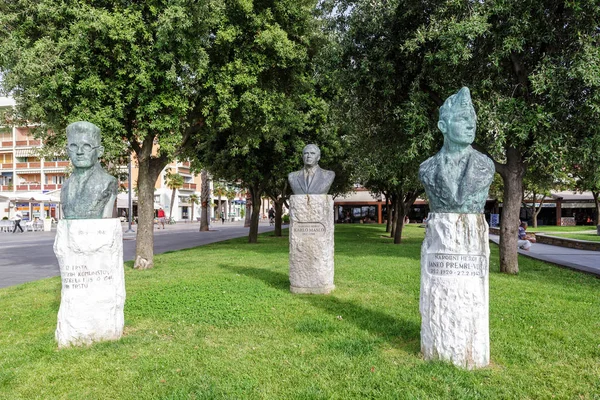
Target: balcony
<point>28,143</point>
<point>6,143</point>
<point>52,186</point>
<point>29,165</point>
<point>188,186</point>
<point>29,187</point>
<point>56,164</point>
<point>8,166</point>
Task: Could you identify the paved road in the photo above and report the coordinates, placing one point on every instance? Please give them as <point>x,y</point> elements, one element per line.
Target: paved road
<point>26,257</point>
<point>582,260</point>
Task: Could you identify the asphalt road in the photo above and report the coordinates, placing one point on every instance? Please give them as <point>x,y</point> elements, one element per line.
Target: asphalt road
<point>29,256</point>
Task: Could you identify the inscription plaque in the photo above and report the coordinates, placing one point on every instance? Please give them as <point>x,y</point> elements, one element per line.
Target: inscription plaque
<point>440,264</point>
<point>309,229</point>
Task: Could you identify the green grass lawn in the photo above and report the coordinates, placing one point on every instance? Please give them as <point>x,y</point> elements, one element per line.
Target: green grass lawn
<point>593,237</point>
<point>219,322</point>
<point>561,229</point>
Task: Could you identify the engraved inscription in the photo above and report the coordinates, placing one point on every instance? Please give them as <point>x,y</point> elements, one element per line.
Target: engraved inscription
<point>457,265</point>
<point>80,277</point>
<point>309,229</point>
<point>83,276</point>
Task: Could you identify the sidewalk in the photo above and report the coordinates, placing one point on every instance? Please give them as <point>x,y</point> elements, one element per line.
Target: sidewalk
<point>187,227</point>
<point>581,260</point>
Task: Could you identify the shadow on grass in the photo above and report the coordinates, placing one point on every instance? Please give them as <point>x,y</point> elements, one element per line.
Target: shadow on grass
<point>401,333</point>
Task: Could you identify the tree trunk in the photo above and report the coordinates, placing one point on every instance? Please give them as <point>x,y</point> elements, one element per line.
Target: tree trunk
<point>256,204</point>
<point>394,215</point>
<point>149,170</point>
<point>219,206</point>
<point>248,212</point>
<point>404,204</point>
<point>399,219</point>
<point>278,216</point>
<point>388,226</point>
<point>512,175</point>
<point>193,206</point>
<point>172,203</point>
<point>204,200</point>
<point>537,210</point>
<point>597,203</point>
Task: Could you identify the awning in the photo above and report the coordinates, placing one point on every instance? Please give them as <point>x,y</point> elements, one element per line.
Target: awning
<point>24,152</point>
<point>31,197</point>
<point>123,200</point>
<point>55,170</point>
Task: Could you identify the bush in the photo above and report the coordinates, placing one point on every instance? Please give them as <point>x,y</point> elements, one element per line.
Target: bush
<point>286,218</point>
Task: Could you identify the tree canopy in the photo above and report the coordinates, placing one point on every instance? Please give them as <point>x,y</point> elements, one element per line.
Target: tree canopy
<point>135,69</point>
<point>532,67</point>
<point>263,104</point>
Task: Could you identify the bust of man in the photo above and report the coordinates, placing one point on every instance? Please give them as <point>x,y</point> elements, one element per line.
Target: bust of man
<point>458,177</point>
<point>311,179</point>
<point>90,192</point>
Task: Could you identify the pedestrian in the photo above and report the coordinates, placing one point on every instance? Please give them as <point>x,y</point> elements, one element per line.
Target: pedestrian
<point>161,217</point>
<point>271,216</point>
<point>18,217</point>
<point>222,218</point>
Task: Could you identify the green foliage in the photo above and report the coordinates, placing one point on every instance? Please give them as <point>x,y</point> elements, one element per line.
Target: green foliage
<point>285,218</point>
<point>194,199</point>
<point>133,69</point>
<point>174,180</point>
<point>219,321</point>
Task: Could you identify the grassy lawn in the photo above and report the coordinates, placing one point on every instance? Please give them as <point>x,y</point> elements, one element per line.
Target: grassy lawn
<point>561,229</point>
<point>579,236</point>
<point>219,322</point>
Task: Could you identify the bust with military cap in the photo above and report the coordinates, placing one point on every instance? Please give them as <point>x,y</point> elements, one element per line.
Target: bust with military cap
<point>458,177</point>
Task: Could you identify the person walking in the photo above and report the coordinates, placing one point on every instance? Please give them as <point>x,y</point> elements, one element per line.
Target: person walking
<point>271,216</point>
<point>18,217</point>
<point>161,217</point>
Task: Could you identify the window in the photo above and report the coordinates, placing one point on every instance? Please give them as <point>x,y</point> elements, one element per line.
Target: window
<point>55,179</point>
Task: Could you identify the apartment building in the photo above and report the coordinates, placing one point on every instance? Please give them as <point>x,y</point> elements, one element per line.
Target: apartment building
<point>32,184</point>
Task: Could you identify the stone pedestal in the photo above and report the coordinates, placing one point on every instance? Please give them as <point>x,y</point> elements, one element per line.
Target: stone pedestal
<point>454,290</point>
<point>90,255</point>
<point>311,243</point>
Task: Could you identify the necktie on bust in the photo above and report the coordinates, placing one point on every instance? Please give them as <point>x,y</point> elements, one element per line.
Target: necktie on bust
<point>308,174</point>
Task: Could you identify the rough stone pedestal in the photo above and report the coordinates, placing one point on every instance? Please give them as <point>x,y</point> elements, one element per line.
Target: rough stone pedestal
<point>454,290</point>
<point>90,255</point>
<point>311,243</point>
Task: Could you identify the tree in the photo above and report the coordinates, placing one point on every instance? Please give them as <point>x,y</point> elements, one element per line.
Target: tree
<point>271,107</point>
<point>531,67</point>
<point>173,181</point>
<point>230,193</point>
<point>219,191</point>
<point>135,69</point>
<point>586,169</point>
<point>194,200</point>
<point>204,200</point>
<point>375,105</point>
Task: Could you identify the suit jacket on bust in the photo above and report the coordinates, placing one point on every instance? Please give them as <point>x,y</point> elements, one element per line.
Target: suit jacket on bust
<point>90,195</point>
<point>459,188</point>
<point>319,184</point>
